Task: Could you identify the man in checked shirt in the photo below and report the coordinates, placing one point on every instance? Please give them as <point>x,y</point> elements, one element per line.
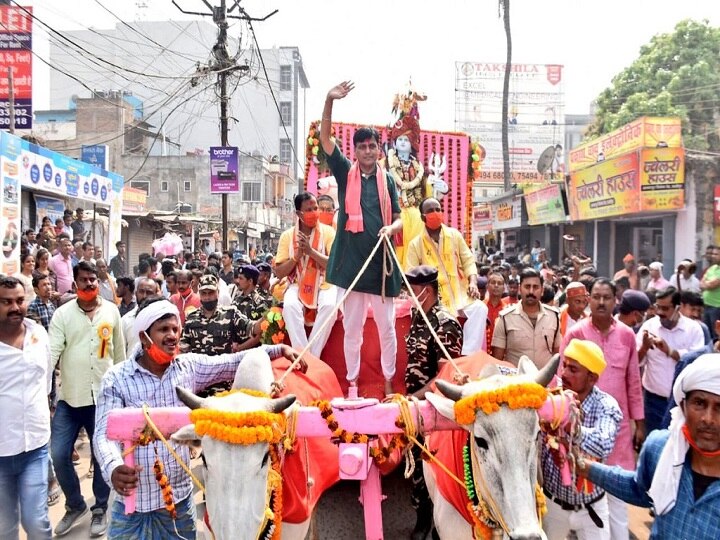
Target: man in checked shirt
<point>570,508</point>
<point>150,377</point>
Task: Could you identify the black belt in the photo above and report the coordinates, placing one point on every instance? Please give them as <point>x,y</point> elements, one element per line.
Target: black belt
<point>575,507</point>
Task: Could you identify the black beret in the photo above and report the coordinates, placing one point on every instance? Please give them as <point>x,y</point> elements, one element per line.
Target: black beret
<point>422,275</point>
<point>264,267</point>
<point>249,271</point>
<point>635,300</point>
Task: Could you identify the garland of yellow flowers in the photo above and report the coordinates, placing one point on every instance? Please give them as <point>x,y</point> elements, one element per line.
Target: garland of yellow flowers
<point>516,396</point>
<point>274,502</point>
<point>240,427</point>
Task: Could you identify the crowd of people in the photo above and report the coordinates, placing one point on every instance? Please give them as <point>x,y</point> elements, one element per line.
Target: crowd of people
<point>96,336</point>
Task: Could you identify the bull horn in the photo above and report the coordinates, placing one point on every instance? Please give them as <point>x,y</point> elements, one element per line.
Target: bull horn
<point>449,390</point>
<point>546,374</point>
<point>190,399</point>
<point>278,405</point>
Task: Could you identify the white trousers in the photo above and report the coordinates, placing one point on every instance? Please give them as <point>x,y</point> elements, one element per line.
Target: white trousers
<point>558,522</point>
<point>619,529</point>
<point>295,320</point>
<point>355,313</point>
<point>474,330</point>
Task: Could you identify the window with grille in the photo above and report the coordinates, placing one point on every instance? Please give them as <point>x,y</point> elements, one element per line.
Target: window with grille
<point>286,112</point>
<point>251,191</point>
<point>285,77</point>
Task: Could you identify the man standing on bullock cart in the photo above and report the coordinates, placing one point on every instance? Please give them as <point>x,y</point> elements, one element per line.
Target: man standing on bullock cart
<point>369,209</point>
<point>149,377</point>
<point>424,361</point>
<point>581,507</point>
<point>678,471</point>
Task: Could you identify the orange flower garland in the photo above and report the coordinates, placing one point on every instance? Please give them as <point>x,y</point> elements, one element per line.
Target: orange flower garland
<point>238,427</point>
<point>338,433</point>
<point>516,396</point>
<point>165,486</point>
<point>398,442</point>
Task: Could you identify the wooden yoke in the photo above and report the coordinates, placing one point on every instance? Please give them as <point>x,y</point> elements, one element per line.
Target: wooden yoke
<point>366,416</point>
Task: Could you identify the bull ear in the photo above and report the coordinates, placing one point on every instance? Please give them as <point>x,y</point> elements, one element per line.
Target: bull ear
<point>546,374</point>
<point>488,371</point>
<point>442,404</point>
<point>190,399</point>
<point>278,405</point>
<point>449,390</point>
<point>185,434</point>
<point>526,366</point>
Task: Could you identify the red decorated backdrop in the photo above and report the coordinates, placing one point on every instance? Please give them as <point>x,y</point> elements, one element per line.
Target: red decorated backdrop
<point>454,146</point>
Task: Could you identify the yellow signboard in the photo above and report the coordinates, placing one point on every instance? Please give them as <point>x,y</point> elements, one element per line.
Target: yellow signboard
<point>609,188</point>
<point>662,179</point>
<point>645,132</point>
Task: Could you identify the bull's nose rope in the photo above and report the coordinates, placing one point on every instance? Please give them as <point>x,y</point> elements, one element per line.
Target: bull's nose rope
<point>388,251</point>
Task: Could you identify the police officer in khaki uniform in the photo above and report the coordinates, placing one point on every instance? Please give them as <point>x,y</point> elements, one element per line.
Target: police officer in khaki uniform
<point>529,327</point>
<point>424,360</point>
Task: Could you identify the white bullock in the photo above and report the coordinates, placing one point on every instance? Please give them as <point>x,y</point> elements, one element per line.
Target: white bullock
<point>237,476</point>
<point>505,444</point>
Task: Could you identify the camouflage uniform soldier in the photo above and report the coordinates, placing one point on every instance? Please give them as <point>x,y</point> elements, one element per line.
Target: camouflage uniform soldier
<point>424,359</point>
<point>214,329</point>
<point>248,300</point>
<point>263,284</point>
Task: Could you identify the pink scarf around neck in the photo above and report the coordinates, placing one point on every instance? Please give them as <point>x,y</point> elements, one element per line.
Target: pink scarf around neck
<point>352,199</point>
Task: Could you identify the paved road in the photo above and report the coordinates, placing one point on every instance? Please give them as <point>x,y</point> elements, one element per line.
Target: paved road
<point>339,514</point>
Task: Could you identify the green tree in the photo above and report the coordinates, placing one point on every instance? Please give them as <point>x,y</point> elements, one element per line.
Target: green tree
<point>676,74</point>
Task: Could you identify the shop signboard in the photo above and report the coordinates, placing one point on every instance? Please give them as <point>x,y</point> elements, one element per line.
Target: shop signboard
<point>609,188</point>
<point>481,219</point>
<point>662,179</point>
<point>545,205</point>
<point>25,165</point>
<point>506,214</point>
<point>16,54</point>
<point>134,200</point>
<point>224,169</point>
<point>645,132</point>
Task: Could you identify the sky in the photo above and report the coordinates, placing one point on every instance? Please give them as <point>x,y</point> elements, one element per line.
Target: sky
<point>381,45</point>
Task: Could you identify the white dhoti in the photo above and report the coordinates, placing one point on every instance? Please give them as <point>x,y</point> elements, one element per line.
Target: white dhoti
<point>474,339</point>
<point>295,320</point>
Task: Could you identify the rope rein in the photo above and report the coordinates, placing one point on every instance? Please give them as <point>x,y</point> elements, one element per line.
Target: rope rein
<point>422,312</point>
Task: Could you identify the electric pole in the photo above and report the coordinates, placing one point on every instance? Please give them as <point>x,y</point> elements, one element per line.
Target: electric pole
<point>223,64</point>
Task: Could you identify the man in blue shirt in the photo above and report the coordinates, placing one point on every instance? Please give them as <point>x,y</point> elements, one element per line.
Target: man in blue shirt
<point>678,471</point>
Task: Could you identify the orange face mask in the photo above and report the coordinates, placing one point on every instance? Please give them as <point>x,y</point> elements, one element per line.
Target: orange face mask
<point>326,218</point>
<point>434,220</point>
<point>87,295</point>
<point>159,356</point>
<point>310,218</point>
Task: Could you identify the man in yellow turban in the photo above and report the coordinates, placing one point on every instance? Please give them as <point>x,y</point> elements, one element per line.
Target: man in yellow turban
<point>582,507</point>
